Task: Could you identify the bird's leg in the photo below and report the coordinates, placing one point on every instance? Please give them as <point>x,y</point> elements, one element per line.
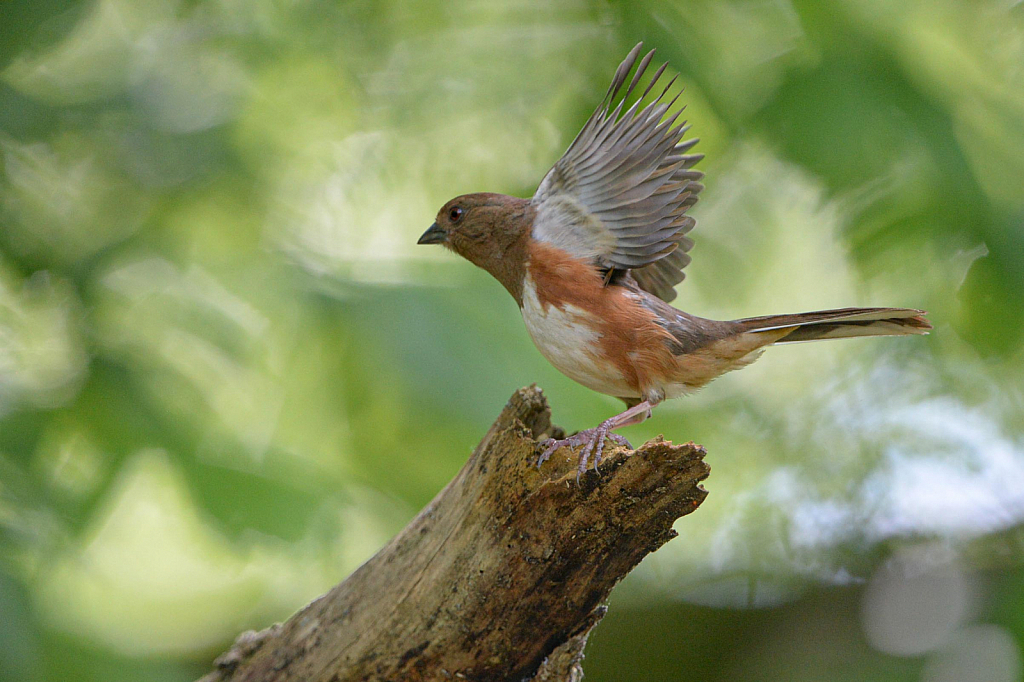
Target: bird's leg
<point>592,440</point>
<point>633,415</point>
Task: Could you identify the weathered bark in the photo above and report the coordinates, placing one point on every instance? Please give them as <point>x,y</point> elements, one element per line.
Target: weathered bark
<point>501,577</point>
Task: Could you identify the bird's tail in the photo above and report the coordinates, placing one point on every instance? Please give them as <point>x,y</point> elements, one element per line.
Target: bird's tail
<point>842,323</point>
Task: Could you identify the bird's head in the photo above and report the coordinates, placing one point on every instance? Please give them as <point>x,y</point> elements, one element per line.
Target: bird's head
<point>488,230</point>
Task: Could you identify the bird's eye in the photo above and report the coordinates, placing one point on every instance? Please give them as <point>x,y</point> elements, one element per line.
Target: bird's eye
<point>455,214</point>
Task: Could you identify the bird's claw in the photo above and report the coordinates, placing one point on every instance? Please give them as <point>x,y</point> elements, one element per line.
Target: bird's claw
<point>592,441</point>
<point>549,445</point>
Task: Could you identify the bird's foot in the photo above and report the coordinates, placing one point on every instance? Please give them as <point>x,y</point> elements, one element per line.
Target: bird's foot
<point>592,441</point>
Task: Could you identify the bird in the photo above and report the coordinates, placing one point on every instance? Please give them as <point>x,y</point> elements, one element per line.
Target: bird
<point>593,258</point>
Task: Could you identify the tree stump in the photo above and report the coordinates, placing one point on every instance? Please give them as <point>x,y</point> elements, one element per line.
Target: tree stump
<point>501,577</point>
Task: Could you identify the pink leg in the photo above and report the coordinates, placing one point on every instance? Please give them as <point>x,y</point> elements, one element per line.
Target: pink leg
<point>592,440</point>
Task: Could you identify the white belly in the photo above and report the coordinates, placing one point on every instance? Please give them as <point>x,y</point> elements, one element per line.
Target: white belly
<point>563,337</point>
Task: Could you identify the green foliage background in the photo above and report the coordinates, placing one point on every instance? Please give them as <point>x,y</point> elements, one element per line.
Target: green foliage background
<point>228,375</point>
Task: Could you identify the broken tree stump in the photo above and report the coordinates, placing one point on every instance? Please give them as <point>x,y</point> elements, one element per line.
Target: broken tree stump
<point>501,577</point>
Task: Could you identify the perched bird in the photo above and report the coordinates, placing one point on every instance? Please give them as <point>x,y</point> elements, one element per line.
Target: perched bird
<point>593,257</point>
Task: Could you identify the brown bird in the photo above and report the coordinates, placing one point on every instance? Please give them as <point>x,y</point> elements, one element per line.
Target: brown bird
<point>593,257</point>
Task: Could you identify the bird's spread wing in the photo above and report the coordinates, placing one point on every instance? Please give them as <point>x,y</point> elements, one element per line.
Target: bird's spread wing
<point>620,193</point>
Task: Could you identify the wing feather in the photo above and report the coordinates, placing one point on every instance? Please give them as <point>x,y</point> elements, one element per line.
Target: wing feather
<point>620,192</point>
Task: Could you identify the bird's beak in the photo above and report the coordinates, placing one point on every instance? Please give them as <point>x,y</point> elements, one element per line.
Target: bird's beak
<point>434,235</point>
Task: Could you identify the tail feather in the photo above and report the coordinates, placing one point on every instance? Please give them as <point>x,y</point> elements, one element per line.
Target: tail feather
<point>841,323</point>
